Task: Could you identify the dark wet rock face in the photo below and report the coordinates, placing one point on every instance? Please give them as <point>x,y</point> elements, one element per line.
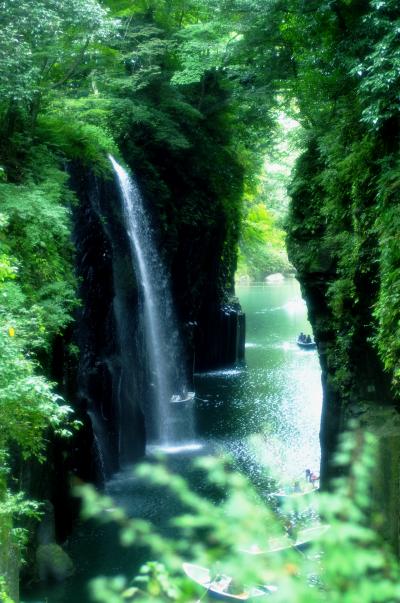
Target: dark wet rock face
<point>337,267</point>
<point>111,373</point>
<point>101,364</point>
<point>220,337</point>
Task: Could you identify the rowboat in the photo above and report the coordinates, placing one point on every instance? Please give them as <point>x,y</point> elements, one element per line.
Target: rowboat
<point>306,346</point>
<point>275,545</point>
<point>309,535</point>
<point>177,398</point>
<point>218,586</point>
<point>310,489</point>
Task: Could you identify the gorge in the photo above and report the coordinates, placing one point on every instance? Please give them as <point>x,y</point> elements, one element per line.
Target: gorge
<point>189,97</point>
<point>265,413</point>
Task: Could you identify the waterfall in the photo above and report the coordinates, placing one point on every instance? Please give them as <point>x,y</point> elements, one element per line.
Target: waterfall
<point>168,425</point>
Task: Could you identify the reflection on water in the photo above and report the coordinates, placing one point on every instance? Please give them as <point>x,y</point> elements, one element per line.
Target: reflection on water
<point>265,413</point>
<point>268,410</point>
<point>293,306</point>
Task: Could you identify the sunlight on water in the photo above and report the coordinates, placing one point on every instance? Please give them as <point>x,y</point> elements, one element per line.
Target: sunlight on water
<point>296,306</point>
<point>293,306</point>
<point>267,414</point>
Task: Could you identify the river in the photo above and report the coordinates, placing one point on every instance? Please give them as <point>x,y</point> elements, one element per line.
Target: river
<point>264,413</point>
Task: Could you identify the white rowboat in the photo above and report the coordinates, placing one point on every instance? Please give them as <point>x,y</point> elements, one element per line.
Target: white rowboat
<point>282,543</point>
<point>177,398</point>
<point>218,586</point>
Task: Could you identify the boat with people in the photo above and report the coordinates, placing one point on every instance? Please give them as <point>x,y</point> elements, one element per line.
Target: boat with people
<point>184,397</point>
<point>306,342</point>
<point>307,346</point>
<point>300,487</point>
<point>303,538</point>
<point>218,585</point>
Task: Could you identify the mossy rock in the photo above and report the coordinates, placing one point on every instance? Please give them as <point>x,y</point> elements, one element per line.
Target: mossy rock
<point>53,563</point>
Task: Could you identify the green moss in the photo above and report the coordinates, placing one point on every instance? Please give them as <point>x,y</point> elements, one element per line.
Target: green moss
<point>387,308</point>
<point>72,138</point>
<point>343,228</point>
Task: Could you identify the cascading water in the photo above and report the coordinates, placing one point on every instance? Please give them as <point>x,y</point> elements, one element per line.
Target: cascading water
<point>169,426</point>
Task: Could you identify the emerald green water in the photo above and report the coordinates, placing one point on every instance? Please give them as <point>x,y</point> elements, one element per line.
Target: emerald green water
<point>265,413</point>
<point>270,408</point>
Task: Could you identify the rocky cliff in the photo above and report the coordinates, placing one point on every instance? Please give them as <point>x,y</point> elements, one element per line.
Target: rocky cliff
<point>336,247</point>
<point>113,372</point>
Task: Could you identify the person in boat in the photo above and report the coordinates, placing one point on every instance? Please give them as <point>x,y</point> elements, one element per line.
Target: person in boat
<point>308,339</point>
<point>312,477</point>
<point>296,487</point>
<point>290,529</point>
<point>234,587</point>
<point>302,337</point>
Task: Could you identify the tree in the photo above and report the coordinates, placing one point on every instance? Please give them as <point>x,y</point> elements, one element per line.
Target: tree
<point>44,45</point>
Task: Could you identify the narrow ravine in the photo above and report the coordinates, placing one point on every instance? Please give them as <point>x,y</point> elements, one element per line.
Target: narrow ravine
<point>265,413</point>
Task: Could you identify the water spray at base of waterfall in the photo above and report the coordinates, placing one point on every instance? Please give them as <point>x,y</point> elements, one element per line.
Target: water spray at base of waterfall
<point>188,447</point>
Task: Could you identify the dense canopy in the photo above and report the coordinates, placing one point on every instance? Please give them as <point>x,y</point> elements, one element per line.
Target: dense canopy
<point>192,95</point>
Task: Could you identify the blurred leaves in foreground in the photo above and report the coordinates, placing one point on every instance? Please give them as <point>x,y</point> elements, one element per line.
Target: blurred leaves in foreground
<point>348,563</point>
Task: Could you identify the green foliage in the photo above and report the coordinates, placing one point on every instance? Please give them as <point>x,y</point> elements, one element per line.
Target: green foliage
<point>262,245</point>
<point>262,248</point>
<point>346,561</point>
<point>28,404</point>
<point>37,289</point>
<point>379,70</point>
<point>69,136</point>
<point>4,598</point>
<point>29,410</point>
<point>202,48</point>
<point>43,45</point>
<point>189,92</point>
<point>387,307</point>
<point>36,238</point>
<point>343,217</point>
<point>153,579</point>
<point>158,78</point>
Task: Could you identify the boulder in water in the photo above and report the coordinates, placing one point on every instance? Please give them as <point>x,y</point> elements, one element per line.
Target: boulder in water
<point>275,278</point>
<point>53,563</point>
